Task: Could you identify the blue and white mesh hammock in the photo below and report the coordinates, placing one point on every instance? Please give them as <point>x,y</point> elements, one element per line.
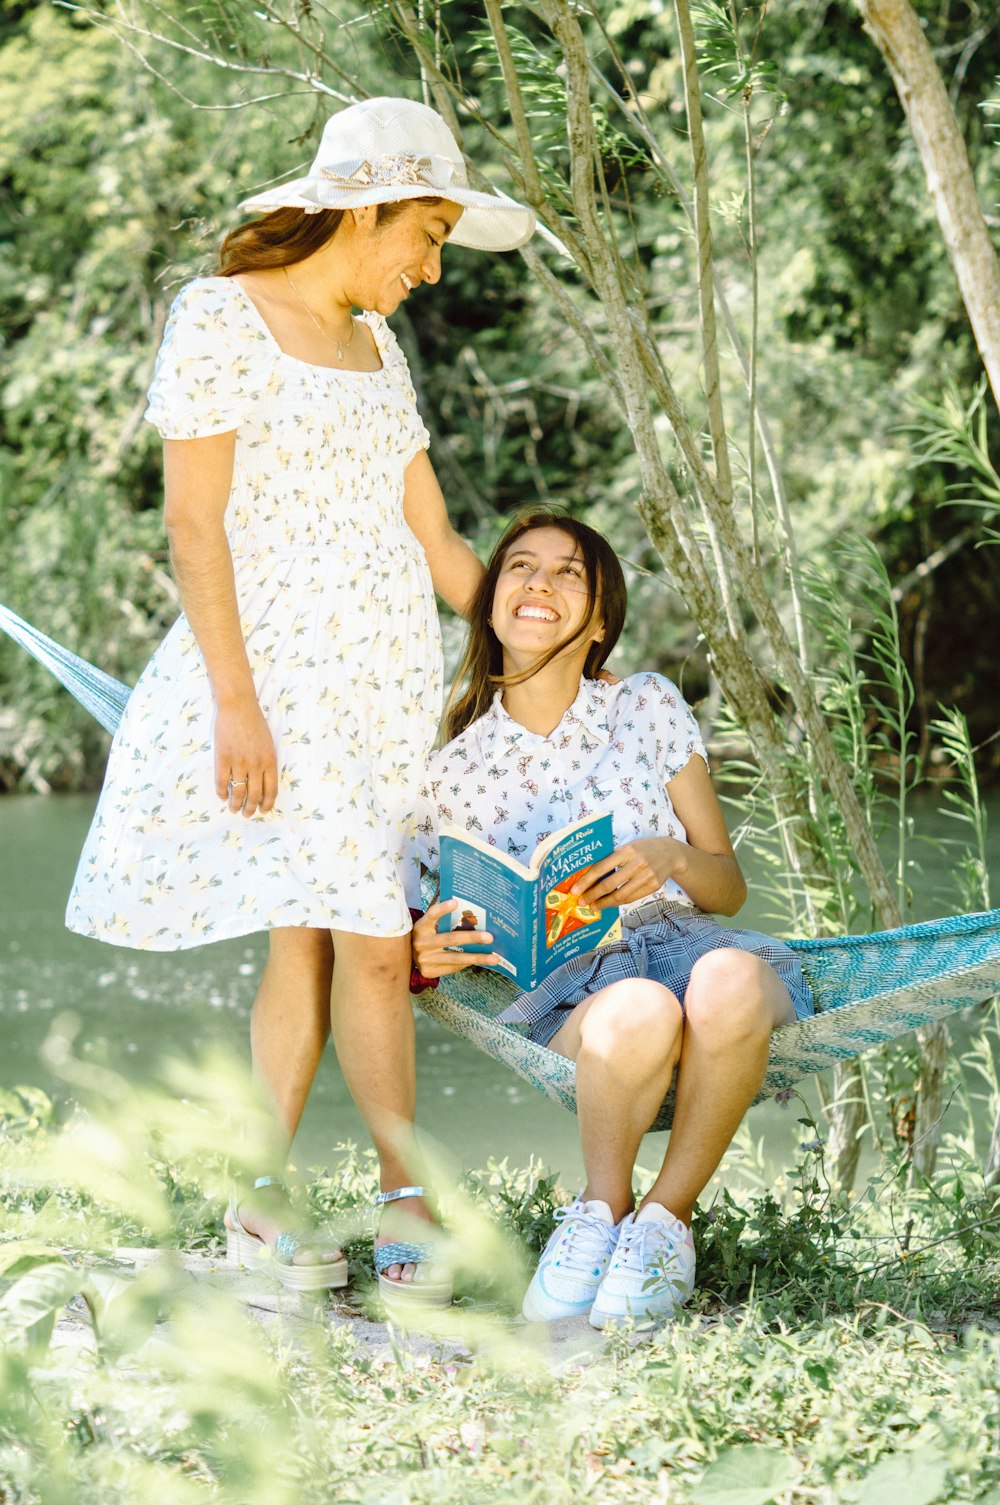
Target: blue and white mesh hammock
<point>868,988</point>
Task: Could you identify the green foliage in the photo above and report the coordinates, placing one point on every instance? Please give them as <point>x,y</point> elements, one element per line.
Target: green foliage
<point>832,1346</point>
<point>962,803</point>
<point>725,58</point>
<point>747,1475</point>
<point>544,93</point>
<point>858,311</point>
<point>867,694</point>
<point>956,434</point>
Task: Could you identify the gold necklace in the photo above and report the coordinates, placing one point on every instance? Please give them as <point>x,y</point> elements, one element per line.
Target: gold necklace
<point>342,349</point>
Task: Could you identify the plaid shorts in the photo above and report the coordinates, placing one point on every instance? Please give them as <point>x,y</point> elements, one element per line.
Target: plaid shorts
<point>662,939</point>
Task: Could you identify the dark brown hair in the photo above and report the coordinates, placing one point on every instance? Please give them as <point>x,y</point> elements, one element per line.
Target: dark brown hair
<point>285,236</point>
<point>482,662</point>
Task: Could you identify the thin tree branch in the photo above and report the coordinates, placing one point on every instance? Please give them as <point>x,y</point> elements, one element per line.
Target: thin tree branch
<point>125,29</point>
<point>934,561</point>
<point>581,326</point>
<point>751,205</point>
<point>556,231</point>
<point>639,119</point>
<point>703,231</point>
<point>534,192</point>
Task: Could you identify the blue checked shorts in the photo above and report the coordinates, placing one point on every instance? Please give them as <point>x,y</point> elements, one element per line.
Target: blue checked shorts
<point>662,939</point>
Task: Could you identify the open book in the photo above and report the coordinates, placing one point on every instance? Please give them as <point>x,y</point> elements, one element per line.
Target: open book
<point>536,923</point>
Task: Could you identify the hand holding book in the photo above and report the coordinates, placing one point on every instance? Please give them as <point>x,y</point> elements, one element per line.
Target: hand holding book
<point>630,873</point>
<point>442,953</point>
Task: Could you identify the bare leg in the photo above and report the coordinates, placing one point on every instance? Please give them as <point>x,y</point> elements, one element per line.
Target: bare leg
<point>373,1031</point>
<point>733,1002</point>
<point>625,1041</point>
<point>291,1019</point>
<point>288,1031</point>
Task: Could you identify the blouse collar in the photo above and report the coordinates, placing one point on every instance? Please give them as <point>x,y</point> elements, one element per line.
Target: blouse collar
<point>588,713</point>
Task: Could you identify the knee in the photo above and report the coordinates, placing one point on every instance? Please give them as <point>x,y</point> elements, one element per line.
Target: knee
<point>633,1027</point>
<point>729,996</point>
<point>375,963</point>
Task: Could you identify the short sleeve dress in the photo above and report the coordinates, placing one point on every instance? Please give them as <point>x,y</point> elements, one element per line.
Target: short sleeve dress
<point>339,618</point>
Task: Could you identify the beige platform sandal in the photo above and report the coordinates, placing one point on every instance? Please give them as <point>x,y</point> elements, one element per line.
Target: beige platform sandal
<point>247,1249</point>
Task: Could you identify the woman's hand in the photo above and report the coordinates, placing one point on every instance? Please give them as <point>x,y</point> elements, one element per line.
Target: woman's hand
<point>704,866</point>
<point>246,767</point>
<point>630,873</point>
<point>437,955</point>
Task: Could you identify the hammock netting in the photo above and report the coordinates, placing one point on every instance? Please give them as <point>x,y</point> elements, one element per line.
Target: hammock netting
<point>868,988</point>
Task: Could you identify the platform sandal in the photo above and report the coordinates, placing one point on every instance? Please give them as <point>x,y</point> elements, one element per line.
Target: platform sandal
<point>246,1248</point>
<point>431,1285</point>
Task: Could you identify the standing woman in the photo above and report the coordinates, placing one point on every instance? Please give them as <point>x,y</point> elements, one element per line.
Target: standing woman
<point>266,770</point>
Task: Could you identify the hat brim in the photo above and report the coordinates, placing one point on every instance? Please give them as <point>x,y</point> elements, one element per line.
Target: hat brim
<point>489,222</point>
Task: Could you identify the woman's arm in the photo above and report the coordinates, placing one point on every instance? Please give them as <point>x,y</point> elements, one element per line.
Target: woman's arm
<point>455,570</point>
<point>704,866</point>
<point>198,476</point>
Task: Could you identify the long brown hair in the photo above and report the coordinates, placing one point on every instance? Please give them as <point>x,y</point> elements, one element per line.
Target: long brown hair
<point>285,236</point>
<point>482,662</point>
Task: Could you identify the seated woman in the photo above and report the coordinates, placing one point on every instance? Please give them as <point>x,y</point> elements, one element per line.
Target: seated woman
<point>537,741</point>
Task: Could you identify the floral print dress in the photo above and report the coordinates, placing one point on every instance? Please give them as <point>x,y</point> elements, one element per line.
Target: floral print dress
<point>338,614</point>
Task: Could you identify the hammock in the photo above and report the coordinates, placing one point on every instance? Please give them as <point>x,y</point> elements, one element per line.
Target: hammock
<point>868,988</point>
<point>104,697</point>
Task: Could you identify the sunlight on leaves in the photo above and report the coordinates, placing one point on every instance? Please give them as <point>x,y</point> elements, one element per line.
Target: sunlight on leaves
<point>749,1475</point>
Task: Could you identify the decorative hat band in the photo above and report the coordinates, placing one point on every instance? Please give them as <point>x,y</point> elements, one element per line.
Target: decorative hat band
<point>397,170</point>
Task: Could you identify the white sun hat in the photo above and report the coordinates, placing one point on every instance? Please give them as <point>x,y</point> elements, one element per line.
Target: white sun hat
<point>383,150</point>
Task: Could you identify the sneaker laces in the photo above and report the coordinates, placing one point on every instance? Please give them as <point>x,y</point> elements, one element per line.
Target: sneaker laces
<point>637,1247</point>
<point>588,1239</point>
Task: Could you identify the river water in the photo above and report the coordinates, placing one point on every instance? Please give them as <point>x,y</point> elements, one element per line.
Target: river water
<point>135,1008</point>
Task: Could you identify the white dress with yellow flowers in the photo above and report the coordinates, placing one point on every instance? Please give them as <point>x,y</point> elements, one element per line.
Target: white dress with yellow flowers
<point>338,614</point>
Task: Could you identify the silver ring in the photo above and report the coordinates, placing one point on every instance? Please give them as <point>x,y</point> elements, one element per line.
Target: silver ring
<point>237,783</point>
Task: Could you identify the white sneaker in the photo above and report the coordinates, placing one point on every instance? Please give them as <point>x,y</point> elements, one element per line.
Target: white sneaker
<point>573,1264</point>
<point>651,1274</point>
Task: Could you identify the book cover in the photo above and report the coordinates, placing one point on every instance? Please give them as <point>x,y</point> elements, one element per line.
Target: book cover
<point>536,923</point>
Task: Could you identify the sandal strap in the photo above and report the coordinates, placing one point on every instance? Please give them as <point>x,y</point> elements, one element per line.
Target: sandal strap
<point>397,1196</point>
<point>401,1254</point>
<point>285,1248</point>
<point>287,1245</point>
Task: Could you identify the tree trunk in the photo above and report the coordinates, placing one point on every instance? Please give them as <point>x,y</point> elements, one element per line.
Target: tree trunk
<point>895,28</point>
<point>934,1041</point>
<point>848,1114</point>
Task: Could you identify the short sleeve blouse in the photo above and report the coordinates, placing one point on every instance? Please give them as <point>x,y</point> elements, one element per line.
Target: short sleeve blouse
<point>615,750</point>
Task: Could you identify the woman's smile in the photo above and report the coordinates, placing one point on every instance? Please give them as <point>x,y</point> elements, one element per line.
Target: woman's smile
<point>534,611</point>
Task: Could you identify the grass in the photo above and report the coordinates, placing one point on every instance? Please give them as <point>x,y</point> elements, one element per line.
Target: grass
<point>837,1348</point>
